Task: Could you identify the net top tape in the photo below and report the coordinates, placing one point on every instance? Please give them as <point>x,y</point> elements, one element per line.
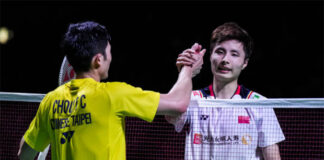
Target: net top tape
<point>222,103</point>
<point>261,103</point>
<point>21,97</point>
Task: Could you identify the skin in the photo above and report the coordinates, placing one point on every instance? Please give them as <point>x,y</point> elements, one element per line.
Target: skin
<point>227,62</point>
<point>173,103</point>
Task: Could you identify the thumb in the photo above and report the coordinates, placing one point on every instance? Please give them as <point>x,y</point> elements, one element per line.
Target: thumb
<point>202,53</point>
<point>195,46</point>
<point>198,49</point>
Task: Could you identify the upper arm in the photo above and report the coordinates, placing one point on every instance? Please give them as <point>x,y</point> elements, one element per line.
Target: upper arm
<point>170,106</point>
<point>37,134</point>
<point>271,152</point>
<point>126,100</point>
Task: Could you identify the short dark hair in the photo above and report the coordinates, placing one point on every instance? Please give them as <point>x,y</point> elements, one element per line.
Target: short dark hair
<point>82,41</point>
<point>230,31</point>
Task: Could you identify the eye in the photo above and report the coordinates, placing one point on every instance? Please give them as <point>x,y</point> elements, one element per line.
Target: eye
<point>219,51</point>
<point>235,54</point>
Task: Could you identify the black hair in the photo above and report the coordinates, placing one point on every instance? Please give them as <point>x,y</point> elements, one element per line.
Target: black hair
<point>230,31</point>
<point>82,41</point>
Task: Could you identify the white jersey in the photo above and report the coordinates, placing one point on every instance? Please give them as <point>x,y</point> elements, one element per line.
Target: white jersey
<point>228,133</point>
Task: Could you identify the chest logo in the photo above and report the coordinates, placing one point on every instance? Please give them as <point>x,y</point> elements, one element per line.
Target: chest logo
<point>66,136</point>
<point>246,139</point>
<point>204,117</point>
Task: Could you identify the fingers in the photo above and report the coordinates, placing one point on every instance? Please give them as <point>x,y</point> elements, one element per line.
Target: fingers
<point>188,52</point>
<point>191,57</point>
<point>199,55</point>
<point>202,52</point>
<point>186,56</point>
<point>186,59</point>
<point>196,47</point>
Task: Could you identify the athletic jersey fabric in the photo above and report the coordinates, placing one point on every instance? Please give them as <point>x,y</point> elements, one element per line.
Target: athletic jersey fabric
<point>228,133</point>
<point>85,119</point>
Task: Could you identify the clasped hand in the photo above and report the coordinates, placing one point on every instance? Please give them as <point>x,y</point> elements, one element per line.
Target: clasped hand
<point>193,57</point>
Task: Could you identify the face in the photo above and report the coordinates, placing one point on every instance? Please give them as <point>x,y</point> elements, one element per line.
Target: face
<point>228,60</point>
<point>105,64</point>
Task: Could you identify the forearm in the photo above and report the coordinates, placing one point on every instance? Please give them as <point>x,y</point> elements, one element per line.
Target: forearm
<point>183,87</point>
<point>177,100</point>
<point>271,152</point>
<point>25,151</point>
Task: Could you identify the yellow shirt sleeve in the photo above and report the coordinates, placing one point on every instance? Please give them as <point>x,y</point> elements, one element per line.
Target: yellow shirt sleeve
<point>37,136</point>
<point>133,101</point>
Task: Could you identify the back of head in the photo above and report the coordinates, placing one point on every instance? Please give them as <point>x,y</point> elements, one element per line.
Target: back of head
<point>232,31</point>
<point>82,41</point>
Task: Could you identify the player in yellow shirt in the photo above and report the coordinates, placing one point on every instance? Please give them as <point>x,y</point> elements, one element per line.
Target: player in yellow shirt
<point>85,118</point>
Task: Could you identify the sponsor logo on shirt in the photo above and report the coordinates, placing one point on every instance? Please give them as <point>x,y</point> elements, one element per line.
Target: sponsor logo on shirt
<point>246,139</point>
<point>66,136</point>
<point>256,96</point>
<point>204,117</point>
<point>222,140</point>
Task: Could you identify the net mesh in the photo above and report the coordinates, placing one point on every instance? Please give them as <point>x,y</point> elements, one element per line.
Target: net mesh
<point>303,129</point>
<point>14,120</point>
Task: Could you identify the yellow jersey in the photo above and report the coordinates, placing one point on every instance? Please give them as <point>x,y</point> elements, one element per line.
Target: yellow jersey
<point>85,119</point>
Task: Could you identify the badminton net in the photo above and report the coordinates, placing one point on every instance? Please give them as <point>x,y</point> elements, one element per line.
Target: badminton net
<point>301,120</point>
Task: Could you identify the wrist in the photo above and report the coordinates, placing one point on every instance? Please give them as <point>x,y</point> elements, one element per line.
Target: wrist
<point>186,69</point>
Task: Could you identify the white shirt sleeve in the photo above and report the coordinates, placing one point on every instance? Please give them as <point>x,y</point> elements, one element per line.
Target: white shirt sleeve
<point>269,130</point>
<point>180,121</point>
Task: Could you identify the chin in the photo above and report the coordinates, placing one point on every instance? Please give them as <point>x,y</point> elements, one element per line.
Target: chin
<point>223,77</point>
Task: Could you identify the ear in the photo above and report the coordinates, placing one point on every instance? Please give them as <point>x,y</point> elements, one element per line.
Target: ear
<point>97,60</point>
<point>246,61</point>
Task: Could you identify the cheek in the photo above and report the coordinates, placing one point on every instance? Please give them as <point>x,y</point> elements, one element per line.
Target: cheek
<point>213,64</point>
<point>214,61</point>
<point>239,67</point>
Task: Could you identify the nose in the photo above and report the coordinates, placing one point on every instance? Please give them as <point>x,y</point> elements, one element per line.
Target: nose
<point>225,59</point>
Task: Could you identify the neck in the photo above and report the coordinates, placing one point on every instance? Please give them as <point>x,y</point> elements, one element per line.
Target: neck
<point>224,90</point>
<point>90,74</point>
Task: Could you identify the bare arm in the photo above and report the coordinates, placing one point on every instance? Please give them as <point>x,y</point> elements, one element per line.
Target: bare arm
<point>271,152</point>
<point>177,100</point>
<point>25,151</point>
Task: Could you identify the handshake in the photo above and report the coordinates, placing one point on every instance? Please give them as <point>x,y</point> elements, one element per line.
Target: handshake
<point>193,57</point>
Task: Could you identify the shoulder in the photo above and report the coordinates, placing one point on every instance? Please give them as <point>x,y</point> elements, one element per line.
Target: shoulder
<point>196,94</point>
<point>116,86</point>
<point>256,95</point>
<point>203,93</point>
<point>246,93</point>
<point>122,88</point>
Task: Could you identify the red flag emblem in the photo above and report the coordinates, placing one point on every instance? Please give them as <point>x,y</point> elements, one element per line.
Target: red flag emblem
<point>197,138</point>
<point>244,119</point>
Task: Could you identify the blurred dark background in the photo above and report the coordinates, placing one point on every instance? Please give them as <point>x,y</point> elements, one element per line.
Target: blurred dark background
<point>147,36</point>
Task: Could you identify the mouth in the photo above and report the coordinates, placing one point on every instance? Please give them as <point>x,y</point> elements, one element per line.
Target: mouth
<point>223,69</point>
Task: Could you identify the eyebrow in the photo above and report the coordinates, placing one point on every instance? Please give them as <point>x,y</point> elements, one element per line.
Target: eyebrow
<point>233,50</point>
<point>220,48</point>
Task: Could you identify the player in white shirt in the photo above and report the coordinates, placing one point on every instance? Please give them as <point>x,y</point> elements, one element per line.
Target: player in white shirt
<point>228,133</point>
